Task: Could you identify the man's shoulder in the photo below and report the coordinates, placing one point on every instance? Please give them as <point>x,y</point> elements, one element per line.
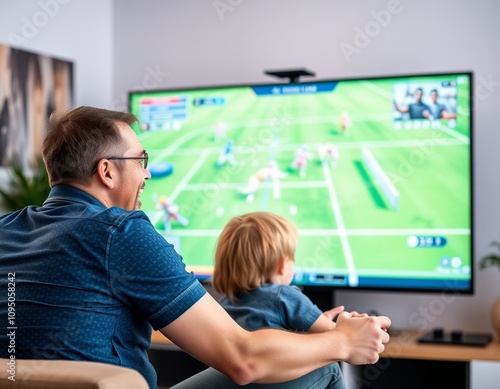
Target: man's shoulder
<point>12,216</point>
<point>120,218</point>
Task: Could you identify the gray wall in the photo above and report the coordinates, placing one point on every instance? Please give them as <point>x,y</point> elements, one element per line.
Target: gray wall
<point>147,44</point>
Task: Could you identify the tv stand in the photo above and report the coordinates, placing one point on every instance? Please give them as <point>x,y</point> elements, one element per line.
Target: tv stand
<point>408,363</point>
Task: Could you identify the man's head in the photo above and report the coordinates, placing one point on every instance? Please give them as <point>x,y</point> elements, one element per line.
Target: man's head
<point>418,95</point>
<point>96,149</point>
<point>434,95</point>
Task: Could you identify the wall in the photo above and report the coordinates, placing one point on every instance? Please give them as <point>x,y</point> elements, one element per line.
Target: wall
<point>210,42</point>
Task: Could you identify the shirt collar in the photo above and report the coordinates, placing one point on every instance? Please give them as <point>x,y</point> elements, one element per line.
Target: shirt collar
<point>70,194</point>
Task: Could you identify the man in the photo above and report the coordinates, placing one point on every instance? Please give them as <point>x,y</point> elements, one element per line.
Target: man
<point>438,110</point>
<point>93,277</point>
<point>416,110</point>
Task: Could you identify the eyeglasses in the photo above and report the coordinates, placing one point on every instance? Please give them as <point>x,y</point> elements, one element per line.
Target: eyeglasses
<point>143,160</point>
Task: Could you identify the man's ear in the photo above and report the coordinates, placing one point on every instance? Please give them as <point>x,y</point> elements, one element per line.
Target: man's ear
<point>106,173</point>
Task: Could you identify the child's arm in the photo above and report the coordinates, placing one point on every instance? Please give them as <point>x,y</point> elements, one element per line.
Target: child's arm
<point>333,313</point>
<point>325,321</point>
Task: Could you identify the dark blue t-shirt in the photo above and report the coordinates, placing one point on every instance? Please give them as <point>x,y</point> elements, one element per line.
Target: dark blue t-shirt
<point>90,281</point>
<point>416,110</point>
<point>275,306</point>
<point>437,110</point>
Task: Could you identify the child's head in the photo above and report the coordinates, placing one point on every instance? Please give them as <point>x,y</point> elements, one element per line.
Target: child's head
<point>249,251</point>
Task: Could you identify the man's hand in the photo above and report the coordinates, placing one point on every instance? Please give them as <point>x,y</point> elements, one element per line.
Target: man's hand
<point>365,336</point>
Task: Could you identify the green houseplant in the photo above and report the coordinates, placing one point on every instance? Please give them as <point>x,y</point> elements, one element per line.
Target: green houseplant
<point>492,259</point>
<point>24,187</point>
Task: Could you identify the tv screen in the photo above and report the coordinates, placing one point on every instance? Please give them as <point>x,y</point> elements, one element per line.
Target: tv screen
<point>374,172</point>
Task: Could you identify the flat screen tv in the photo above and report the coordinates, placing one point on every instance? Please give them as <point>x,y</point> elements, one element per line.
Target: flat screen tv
<point>376,173</point>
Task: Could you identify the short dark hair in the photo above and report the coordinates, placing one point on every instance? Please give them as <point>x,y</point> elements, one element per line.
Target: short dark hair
<point>78,138</point>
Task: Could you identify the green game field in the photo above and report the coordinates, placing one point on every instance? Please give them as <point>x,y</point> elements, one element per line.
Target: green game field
<point>345,221</point>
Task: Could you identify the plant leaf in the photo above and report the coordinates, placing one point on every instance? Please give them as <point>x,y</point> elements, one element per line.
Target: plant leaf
<point>25,189</point>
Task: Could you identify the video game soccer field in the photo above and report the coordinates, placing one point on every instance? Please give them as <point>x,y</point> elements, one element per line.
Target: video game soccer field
<point>394,203</point>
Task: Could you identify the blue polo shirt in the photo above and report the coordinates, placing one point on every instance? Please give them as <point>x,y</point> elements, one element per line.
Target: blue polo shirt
<point>90,282</point>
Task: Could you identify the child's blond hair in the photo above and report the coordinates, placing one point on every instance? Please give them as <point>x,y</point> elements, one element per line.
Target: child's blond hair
<point>249,250</point>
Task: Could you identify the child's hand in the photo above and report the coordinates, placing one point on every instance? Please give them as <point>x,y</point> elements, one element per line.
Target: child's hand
<point>357,314</point>
<point>332,313</point>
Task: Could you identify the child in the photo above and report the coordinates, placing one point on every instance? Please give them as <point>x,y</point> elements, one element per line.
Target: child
<point>254,266</point>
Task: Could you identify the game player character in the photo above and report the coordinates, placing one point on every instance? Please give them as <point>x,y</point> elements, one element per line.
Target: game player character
<point>345,123</point>
<point>220,131</point>
<point>329,154</point>
<point>302,155</point>
<point>416,110</point>
<point>272,173</point>
<point>171,212</point>
<point>226,154</point>
<point>438,110</point>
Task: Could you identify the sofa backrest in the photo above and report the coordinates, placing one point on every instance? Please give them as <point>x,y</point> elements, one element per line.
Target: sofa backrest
<point>60,374</point>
